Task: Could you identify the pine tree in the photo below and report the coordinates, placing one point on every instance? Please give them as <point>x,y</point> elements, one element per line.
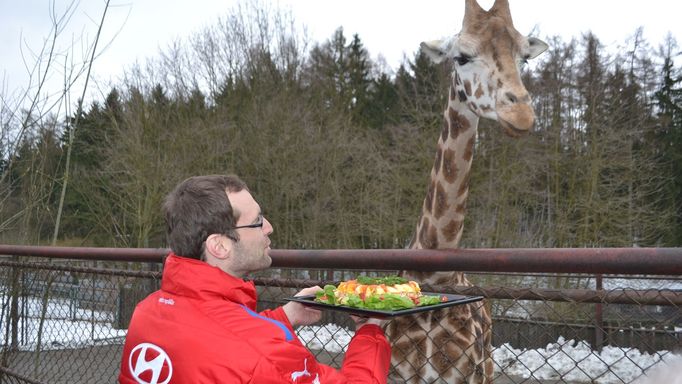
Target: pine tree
<point>423,91</point>
<point>94,131</point>
<point>359,81</point>
<point>383,108</point>
<point>669,103</point>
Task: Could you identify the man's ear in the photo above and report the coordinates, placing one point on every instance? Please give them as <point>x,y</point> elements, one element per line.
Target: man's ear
<point>218,246</point>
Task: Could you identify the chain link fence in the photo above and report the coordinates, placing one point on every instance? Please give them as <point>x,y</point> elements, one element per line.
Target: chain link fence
<point>65,321</point>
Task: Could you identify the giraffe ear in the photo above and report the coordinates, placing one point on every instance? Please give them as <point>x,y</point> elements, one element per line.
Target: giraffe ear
<point>536,47</point>
<point>437,50</point>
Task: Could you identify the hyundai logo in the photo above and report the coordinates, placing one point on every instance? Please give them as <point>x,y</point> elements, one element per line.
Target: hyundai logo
<point>149,364</point>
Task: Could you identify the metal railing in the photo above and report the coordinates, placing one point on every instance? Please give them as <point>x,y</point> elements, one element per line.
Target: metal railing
<point>638,261</point>
<point>568,315</point>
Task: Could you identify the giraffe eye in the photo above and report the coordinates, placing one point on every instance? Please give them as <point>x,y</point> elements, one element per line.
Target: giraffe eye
<point>462,59</point>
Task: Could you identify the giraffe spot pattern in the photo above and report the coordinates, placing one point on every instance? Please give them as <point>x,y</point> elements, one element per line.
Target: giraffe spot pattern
<point>409,349</point>
<point>428,200</point>
<point>498,64</point>
<point>469,151</point>
<point>444,132</point>
<point>464,187</point>
<point>428,236</point>
<point>453,355</point>
<point>466,365</point>
<point>479,91</point>
<point>439,158</point>
<point>449,166</point>
<point>432,238</point>
<point>423,230</point>
<point>453,94</point>
<point>440,205</point>
<point>467,87</point>
<point>451,230</point>
<point>453,337</point>
<point>458,123</point>
<point>496,58</point>
<point>444,278</point>
<point>422,277</point>
<point>462,96</point>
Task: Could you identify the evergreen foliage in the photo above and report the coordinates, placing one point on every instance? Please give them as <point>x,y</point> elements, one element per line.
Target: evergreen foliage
<point>338,151</point>
<point>669,136</point>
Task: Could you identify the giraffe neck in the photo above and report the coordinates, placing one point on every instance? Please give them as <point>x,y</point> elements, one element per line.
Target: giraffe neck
<point>441,223</point>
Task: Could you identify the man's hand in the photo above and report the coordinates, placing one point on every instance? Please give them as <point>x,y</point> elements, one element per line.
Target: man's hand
<point>299,314</point>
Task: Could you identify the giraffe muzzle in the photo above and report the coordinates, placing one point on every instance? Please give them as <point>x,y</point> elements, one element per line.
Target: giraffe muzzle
<point>517,120</point>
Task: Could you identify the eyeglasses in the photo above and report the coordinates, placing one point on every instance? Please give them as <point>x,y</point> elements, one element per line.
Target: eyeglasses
<point>259,224</point>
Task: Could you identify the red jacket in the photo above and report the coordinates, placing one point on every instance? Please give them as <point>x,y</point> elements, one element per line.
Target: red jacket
<point>201,327</point>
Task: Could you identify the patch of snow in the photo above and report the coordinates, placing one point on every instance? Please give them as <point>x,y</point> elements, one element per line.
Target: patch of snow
<point>65,326</point>
<point>573,360</point>
<point>331,338</point>
<point>667,374</point>
<point>639,284</point>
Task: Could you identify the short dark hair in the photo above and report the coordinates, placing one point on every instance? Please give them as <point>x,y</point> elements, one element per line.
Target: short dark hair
<point>199,207</point>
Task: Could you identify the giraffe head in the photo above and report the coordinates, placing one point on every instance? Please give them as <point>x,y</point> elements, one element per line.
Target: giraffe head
<point>487,56</point>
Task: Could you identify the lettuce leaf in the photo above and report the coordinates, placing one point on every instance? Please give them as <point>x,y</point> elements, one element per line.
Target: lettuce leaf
<point>354,301</point>
<point>326,295</point>
<point>388,301</point>
<point>429,300</point>
<point>388,280</point>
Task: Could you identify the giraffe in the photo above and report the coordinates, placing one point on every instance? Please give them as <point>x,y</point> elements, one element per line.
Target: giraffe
<point>454,345</point>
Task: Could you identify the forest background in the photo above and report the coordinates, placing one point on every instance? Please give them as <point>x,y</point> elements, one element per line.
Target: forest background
<point>337,148</point>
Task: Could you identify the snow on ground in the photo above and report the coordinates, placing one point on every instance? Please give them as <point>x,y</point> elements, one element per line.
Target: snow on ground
<point>65,326</point>
<point>569,360</point>
<point>643,283</point>
<point>331,338</point>
<point>576,361</point>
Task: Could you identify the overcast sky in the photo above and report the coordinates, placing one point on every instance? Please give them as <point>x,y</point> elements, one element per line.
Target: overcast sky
<point>138,29</point>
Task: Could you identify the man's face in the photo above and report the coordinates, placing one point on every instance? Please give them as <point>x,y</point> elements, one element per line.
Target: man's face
<point>251,251</point>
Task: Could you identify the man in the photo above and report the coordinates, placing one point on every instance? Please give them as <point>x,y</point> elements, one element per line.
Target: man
<point>201,327</point>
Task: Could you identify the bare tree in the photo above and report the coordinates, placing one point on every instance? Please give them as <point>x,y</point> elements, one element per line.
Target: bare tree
<point>35,112</point>
<point>72,131</point>
<point>24,110</point>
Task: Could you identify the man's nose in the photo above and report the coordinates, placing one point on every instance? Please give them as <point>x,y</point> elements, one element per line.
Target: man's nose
<point>267,226</point>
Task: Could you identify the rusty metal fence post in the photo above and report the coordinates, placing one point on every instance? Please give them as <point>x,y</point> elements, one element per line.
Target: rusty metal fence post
<point>598,317</point>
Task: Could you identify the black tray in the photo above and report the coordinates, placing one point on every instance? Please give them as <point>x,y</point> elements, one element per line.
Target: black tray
<point>309,300</point>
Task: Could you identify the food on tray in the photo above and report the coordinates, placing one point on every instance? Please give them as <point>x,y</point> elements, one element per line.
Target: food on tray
<point>386,293</point>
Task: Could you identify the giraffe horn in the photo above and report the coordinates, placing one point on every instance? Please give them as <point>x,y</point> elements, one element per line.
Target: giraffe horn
<point>472,10</point>
<point>472,5</point>
<point>501,8</point>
